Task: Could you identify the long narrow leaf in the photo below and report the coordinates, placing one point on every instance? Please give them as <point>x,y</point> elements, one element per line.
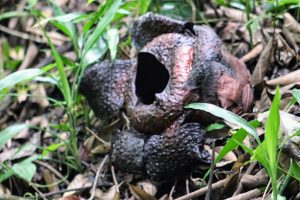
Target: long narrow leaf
<point>272,138</point>
<point>239,136</point>
<point>103,23</point>
<point>19,76</point>
<point>226,115</point>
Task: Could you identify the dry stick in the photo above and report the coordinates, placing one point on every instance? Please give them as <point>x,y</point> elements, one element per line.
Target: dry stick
<point>53,170</point>
<point>96,136</point>
<point>240,186</point>
<point>207,196</point>
<point>114,178</point>
<point>187,186</point>
<point>97,176</point>
<point>202,191</point>
<point>247,195</point>
<point>74,189</point>
<point>172,190</point>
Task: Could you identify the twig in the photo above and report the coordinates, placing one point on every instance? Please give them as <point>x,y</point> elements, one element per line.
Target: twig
<point>114,177</point>
<point>96,136</point>
<point>247,195</point>
<point>74,189</point>
<point>207,196</point>
<point>97,177</point>
<point>240,186</point>
<point>187,188</point>
<point>25,36</point>
<point>39,192</point>
<point>53,170</point>
<point>172,190</point>
<point>202,191</point>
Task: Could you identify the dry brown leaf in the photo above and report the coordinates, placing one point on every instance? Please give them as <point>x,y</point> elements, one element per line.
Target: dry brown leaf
<point>39,95</point>
<point>290,78</point>
<point>291,23</point>
<point>71,197</point>
<point>253,53</point>
<point>110,194</point>
<point>50,180</point>
<point>79,181</point>
<point>102,149</point>
<point>148,187</point>
<point>140,194</point>
<point>264,62</point>
<point>31,54</point>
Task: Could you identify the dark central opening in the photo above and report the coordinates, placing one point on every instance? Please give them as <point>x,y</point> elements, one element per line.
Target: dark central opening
<point>152,77</point>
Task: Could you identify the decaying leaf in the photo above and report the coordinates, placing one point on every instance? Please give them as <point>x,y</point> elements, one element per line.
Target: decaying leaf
<point>140,194</point>
<point>290,78</point>
<point>111,194</point>
<point>102,149</point>
<point>79,181</point>
<point>264,62</point>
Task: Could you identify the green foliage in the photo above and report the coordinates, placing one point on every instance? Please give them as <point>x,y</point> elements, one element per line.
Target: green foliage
<point>226,115</point>
<point>9,133</point>
<point>214,126</point>
<point>271,141</point>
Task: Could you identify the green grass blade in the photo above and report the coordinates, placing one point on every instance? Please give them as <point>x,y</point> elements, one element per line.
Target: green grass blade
<point>13,14</point>
<point>10,132</point>
<point>272,138</point>
<point>19,76</point>
<point>232,144</point>
<point>226,115</point>
<point>272,130</point>
<point>103,23</point>
<point>64,84</point>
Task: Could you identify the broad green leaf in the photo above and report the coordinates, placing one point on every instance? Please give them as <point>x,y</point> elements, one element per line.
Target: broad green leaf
<point>296,94</point>
<point>94,54</point>
<point>226,115</point>
<point>272,132</point>
<point>18,77</point>
<point>144,5</point>
<point>113,41</point>
<point>24,170</point>
<point>102,24</point>
<point>9,132</point>
<point>5,173</point>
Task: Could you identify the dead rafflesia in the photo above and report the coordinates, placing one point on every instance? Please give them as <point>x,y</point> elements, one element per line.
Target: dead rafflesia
<point>177,63</point>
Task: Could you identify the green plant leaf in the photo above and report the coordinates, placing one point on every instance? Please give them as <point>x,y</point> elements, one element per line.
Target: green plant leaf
<point>226,115</point>
<point>144,5</point>
<point>214,126</point>
<point>24,170</point>
<point>51,148</point>
<point>10,132</point>
<point>113,41</point>
<point>231,144</point>
<point>272,131</point>
<point>18,77</point>
<point>296,94</point>
<point>102,24</point>
<point>13,14</point>
<point>95,53</point>
<point>295,170</point>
